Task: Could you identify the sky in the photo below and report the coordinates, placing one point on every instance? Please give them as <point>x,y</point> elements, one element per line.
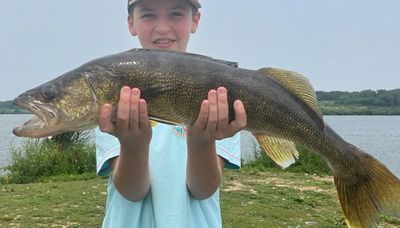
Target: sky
<point>338,45</point>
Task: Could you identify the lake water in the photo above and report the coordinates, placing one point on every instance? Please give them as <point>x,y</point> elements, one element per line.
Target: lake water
<point>7,139</point>
<point>377,135</point>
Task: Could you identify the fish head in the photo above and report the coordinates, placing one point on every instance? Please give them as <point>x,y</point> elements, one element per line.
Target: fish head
<point>64,104</point>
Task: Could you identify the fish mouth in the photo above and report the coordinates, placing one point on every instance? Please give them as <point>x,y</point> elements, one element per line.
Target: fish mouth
<point>40,125</point>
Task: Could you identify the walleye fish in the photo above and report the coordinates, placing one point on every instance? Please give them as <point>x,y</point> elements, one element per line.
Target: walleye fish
<point>281,107</point>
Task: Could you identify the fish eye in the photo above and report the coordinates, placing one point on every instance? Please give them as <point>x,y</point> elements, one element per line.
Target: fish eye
<point>49,92</point>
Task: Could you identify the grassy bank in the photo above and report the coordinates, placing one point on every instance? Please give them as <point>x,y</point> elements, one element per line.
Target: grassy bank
<point>249,198</point>
<point>40,160</point>
<point>68,193</point>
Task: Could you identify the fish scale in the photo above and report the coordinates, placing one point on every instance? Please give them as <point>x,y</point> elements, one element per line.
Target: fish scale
<point>281,110</point>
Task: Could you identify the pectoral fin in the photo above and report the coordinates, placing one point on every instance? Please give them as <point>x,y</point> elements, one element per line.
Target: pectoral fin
<point>153,123</point>
<point>154,120</point>
<point>281,151</point>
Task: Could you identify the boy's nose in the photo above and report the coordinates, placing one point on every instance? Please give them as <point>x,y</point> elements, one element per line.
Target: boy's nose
<point>162,27</point>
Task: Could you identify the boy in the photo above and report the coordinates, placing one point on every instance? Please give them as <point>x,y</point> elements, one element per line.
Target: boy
<point>167,176</point>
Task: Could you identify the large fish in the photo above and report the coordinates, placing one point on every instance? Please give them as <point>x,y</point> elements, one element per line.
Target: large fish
<point>281,107</point>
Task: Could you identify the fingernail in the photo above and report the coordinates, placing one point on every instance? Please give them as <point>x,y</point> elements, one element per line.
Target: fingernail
<point>135,91</point>
<point>106,107</point>
<point>125,89</point>
<point>221,91</point>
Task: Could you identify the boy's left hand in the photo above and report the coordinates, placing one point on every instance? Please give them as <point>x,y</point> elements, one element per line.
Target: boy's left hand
<point>213,120</point>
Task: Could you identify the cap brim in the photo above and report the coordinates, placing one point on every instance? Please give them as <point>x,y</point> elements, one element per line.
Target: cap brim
<point>193,2</point>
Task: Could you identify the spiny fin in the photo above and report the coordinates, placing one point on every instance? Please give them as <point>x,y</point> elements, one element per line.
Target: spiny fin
<point>281,151</point>
<point>153,123</point>
<point>229,63</point>
<point>372,189</point>
<point>297,84</point>
<point>155,119</point>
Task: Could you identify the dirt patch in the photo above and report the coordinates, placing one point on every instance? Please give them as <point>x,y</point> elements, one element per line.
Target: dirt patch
<point>234,186</point>
<point>307,188</point>
<point>323,179</point>
<point>278,182</point>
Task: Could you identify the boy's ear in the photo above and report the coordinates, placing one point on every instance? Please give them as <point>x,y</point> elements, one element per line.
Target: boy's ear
<point>131,27</point>
<point>195,21</point>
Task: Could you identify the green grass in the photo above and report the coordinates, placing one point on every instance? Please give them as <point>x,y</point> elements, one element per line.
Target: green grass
<point>38,160</point>
<point>269,199</point>
<point>72,204</point>
<point>249,198</point>
<point>308,162</point>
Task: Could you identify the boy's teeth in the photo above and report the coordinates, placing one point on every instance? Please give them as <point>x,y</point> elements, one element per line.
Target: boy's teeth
<point>163,41</point>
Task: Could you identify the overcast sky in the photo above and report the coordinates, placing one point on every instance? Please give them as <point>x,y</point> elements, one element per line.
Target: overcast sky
<point>339,45</point>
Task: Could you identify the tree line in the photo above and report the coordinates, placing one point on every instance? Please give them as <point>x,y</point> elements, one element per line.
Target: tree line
<point>379,98</point>
<point>7,107</point>
<point>366,102</point>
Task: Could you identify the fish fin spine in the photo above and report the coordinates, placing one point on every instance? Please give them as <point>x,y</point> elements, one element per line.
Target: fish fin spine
<point>296,83</point>
<point>283,152</point>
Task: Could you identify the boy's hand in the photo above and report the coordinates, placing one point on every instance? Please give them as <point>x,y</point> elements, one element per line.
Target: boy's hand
<point>213,121</point>
<point>132,126</point>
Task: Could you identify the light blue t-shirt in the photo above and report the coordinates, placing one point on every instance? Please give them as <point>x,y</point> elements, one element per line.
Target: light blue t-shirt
<point>168,203</point>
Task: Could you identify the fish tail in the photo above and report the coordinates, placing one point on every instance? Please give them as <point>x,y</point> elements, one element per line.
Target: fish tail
<point>370,190</point>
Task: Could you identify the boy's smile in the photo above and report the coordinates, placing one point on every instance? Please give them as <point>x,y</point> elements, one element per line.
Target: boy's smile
<point>161,24</point>
<point>164,42</point>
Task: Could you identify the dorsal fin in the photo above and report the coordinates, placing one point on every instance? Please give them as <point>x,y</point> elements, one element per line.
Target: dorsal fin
<point>229,63</point>
<point>297,84</point>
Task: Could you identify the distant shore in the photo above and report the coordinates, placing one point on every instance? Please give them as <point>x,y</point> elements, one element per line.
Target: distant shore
<point>14,112</point>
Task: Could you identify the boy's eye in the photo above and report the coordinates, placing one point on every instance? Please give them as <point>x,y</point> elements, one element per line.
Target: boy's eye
<point>176,14</point>
<point>147,16</point>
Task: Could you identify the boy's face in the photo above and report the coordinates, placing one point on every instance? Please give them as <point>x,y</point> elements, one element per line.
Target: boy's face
<point>163,24</point>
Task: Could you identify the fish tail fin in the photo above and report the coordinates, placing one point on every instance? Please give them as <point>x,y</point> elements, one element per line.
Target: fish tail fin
<point>367,192</point>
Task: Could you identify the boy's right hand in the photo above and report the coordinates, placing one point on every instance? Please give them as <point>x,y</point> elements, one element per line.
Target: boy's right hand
<point>131,126</point>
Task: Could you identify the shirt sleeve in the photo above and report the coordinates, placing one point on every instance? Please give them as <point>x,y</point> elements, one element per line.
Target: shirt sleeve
<point>107,147</point>
<point>229,149</point>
